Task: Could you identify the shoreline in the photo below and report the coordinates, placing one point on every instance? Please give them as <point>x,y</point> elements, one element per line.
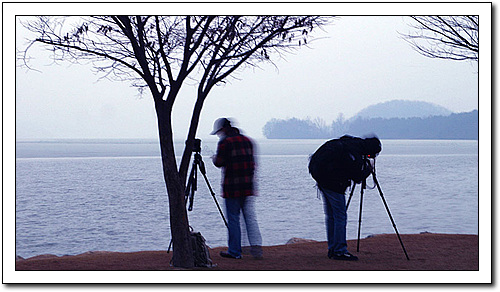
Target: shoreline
<point>382,252</point>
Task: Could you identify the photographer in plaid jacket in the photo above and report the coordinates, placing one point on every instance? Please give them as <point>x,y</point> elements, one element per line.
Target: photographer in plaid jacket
<point>235,155</point>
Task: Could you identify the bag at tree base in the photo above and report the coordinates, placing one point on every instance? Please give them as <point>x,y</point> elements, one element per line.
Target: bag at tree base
<point>200,251</point>
<point>339,161</point>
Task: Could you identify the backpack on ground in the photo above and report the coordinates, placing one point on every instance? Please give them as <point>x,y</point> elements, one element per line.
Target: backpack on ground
<point>339,161</point>
<point>201,252</point>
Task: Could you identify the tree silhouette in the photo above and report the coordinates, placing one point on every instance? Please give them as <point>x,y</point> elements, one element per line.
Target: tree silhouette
<point>446,37</point>
<point>159,53</point>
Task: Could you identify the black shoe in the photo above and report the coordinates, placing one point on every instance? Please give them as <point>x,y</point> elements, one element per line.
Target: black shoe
<point>344,257</point>
<point>228,255</point>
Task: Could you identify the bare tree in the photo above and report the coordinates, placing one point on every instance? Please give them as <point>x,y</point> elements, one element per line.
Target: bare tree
<point>159,53</point>
<point>446,37</point>
<point>339,125</point>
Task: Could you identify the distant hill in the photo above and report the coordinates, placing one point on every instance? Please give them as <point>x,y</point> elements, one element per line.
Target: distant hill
<point>402,109</point>
<point>455,126</point>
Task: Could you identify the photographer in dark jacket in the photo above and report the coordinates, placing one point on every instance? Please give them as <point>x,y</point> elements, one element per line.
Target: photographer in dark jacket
<point>334,165</point>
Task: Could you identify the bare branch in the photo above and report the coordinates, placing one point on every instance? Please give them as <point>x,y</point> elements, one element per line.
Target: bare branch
<point>445,37</point>
<point>160,53</point>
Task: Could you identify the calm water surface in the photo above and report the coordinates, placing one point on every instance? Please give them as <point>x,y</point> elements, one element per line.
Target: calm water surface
<point>77,196</point>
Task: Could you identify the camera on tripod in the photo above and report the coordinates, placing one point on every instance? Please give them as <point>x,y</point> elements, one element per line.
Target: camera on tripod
<point>197,146</point>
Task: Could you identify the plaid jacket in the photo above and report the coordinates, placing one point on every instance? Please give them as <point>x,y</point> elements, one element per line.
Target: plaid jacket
<point>235,154</point>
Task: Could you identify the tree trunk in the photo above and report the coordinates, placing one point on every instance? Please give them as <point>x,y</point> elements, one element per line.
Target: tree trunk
<point>179,225</point>
<point>193,127</point>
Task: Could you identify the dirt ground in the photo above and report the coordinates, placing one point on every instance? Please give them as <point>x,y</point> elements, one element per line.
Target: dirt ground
<point>427,252</point>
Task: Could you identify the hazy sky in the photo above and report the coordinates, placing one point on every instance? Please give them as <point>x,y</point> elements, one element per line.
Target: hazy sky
<point>359,61</point>
<point>362,61</point>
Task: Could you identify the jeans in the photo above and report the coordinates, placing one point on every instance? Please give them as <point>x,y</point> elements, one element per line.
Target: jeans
<point>336,220</point>
<point>245,205</point>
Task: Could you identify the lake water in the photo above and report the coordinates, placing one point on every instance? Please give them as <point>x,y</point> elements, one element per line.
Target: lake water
<point>75,196</point>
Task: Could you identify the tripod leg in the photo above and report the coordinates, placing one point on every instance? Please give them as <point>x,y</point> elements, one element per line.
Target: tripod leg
<point>350,197</point>
<point>190,182</point>
<point>192,186</point>
<point>215,199</point>
<point>360,213</point>
<point>204,173</point>
<point>170,245</point>
<point>389,213</point>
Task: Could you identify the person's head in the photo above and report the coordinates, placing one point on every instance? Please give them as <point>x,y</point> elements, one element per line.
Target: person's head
<point>221,126</point>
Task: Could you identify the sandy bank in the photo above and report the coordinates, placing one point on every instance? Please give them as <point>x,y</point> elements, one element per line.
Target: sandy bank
<point>427,252</point>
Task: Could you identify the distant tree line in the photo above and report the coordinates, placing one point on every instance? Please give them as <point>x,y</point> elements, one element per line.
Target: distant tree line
<point>455,126</point>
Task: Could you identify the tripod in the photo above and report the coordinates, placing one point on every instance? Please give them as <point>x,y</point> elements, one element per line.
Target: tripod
<point>363,187</point>
<point>192,185</point>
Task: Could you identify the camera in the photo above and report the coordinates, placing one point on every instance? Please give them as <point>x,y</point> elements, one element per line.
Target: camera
<point>197,145</point>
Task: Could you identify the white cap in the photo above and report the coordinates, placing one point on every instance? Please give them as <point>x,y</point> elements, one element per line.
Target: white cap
<point>219,124</point>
